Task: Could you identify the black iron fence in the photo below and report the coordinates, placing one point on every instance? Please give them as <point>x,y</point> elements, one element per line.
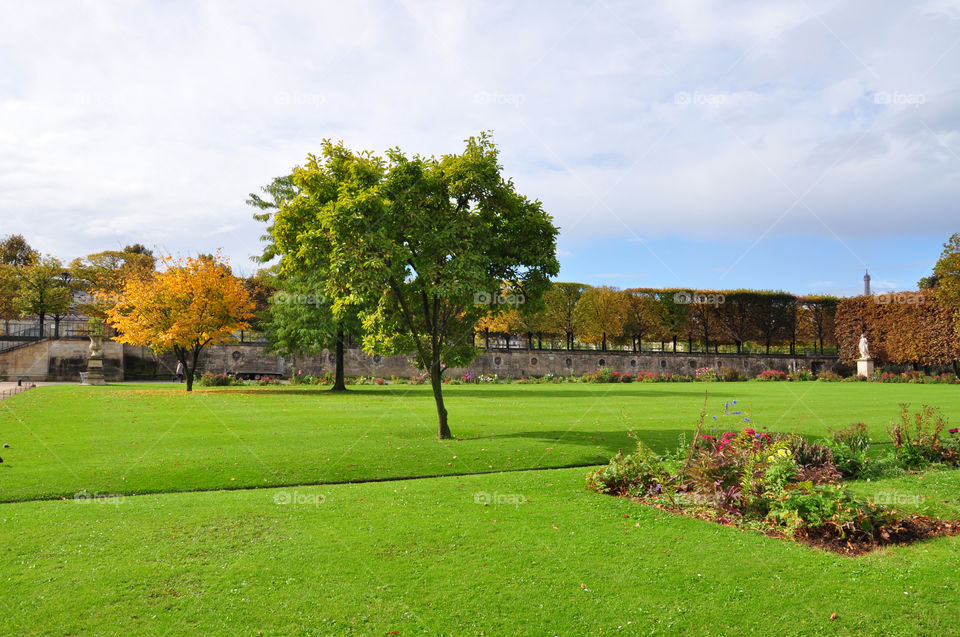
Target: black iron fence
<point>518,342</point>
<point>19,388</point>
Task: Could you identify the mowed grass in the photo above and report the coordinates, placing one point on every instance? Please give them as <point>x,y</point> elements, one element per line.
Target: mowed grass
<point>423,557</point>
<point>154,438</point>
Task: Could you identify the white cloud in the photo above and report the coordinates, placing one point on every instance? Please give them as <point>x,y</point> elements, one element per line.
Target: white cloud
<point>151,122</point>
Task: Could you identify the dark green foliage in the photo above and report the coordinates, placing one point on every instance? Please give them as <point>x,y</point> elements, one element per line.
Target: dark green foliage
<point>917,438</point>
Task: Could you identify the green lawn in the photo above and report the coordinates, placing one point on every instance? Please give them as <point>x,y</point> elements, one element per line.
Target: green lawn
<point>424,556</point>
<point>157,438</point>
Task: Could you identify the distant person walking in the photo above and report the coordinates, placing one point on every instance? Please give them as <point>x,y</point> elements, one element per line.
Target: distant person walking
<point>179,372</point>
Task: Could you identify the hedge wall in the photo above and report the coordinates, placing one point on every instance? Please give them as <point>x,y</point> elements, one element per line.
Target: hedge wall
<point>902,328</point>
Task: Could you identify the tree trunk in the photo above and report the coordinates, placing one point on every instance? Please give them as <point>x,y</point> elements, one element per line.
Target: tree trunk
<point>486,338</point>
<point>189,367</point>
<point>603,346</point>
<point>56,326</point>
<point>539,340</point>
<point>338,384</point>
<point>443,430</point>
<point>42,315</point>
<point>529,341</point>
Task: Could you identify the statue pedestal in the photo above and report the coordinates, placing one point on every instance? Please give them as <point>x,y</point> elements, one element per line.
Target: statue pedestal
<point>94,372</point>
<point>864,367</point>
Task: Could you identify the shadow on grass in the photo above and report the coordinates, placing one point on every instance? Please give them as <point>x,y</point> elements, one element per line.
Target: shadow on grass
<point>307,391</point>
<point>609,442</point>
<point>457,391</point>
<point>589,391</point>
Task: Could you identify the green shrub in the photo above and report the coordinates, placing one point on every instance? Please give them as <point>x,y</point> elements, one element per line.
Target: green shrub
<point>814,459</point>
<point>298,377</point>
<point>730,375</point>
<point>916,438</point>
<point>804,507</point>
<point>209,379</point>
<point>640,473</point>
<point>603,375</point>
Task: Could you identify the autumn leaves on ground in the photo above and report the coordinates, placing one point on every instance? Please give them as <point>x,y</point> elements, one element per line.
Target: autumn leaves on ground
<point>501,541</point>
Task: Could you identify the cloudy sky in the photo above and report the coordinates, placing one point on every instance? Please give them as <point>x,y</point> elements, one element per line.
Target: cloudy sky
<point>685,143</point>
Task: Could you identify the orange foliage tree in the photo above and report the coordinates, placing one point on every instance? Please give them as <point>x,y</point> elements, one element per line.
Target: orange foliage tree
<point>193,303</point>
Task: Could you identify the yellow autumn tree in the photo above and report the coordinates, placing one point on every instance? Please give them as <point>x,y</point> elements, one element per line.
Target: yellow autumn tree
<point>193,303</point>
<point>602,314</point>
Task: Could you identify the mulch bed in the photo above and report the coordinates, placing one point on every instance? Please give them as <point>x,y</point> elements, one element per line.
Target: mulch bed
<point>914,528</point>
<point>908,529</point>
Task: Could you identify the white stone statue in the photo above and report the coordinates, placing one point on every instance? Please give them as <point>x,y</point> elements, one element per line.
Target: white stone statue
<point>864,347</point>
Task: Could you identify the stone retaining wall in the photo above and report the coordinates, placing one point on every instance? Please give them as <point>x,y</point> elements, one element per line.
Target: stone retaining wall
<point>64,359</point>
<point>518,363</point>
<point>60,359</point>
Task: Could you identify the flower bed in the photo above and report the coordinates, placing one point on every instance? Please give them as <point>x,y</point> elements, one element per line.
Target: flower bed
<point>772,375</point>
<point>781,484</point>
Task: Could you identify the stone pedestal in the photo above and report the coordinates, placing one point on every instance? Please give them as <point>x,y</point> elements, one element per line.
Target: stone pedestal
<point>94,372</point>
<point>865,367</point>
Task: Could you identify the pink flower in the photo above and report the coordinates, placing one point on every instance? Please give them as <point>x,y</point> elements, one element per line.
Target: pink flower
<point>954,430</point>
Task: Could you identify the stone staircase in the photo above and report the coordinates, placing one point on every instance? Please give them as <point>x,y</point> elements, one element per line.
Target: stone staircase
<point>28,361</point>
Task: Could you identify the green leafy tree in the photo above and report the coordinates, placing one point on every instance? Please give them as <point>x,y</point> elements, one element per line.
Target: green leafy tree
<point>43,290</point>
<point>644,316</point>
<point>817,319</point>
<point>9,288</point>
<point>675,312</point>
<point>301,316</point>
<point>300,320</point>
<point>101,276</point>
<point>420,244</point>
<point>15,251</point>
<point>947,274</point>
<point>560,309</point>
